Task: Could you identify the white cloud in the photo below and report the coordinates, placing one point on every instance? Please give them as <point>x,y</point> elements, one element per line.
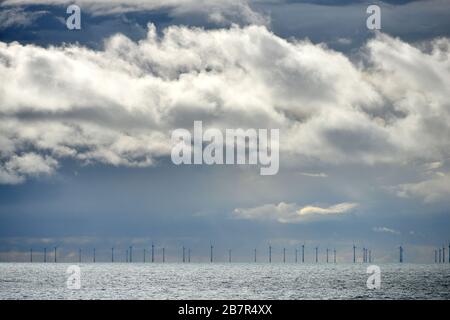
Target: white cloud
<point>291,212</point>
<point>30,164</point>
<point>17,17</point>
<point>336,209</point>
<point>118,105</point>
<point>314,174</point>
<point>385,230</point>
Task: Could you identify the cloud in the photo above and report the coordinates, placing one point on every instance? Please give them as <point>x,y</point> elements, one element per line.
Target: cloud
<point>118,105</point>
<point>434,189</point>
<point>30,164</point>
<point>385,230</point>
<point>314,174</point>
<point>336,209</point>
<point>221,12</point>
<point>18,17</point>
<point>291,212</point>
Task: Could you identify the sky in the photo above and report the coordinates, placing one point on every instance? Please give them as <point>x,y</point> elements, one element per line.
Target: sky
<point>86,118</point>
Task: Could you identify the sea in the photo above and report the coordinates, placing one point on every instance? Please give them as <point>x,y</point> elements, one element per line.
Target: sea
<point>221,281</point>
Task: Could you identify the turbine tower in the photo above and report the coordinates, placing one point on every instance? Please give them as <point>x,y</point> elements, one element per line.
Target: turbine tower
<point>94,255</point>
<point>211,254</point>
<point>55,254</point>
<point>164,255</point>
<point>284,255</point>
<point>112,254</point>
<point>327,255</point>
<point>435,256</point>
<point>79,255</point>
<point>296,255</point>
<point>443,254</point>
<point>354,254</point>
<point>334,258</point>
<point>229,255</point>
<point>303,253</point>
<point>401,254</point>
<point>131,254</point>
<point>153,252</point>
<point>183,254</point>
<point>255,254</point>
<point>45,255</point>
<point>31,255</point>
<point>317,257</point>
<point>270,254</point>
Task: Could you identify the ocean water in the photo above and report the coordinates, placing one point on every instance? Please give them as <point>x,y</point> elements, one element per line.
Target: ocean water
<point>223,281</point>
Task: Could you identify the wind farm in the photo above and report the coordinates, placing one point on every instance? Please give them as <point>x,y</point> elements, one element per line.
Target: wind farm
<point>299,255</point>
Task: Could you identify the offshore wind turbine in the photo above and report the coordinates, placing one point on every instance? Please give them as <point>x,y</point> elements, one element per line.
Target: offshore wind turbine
<point>112,254</point>
<point>31,255</point>
<point>334,259</point>
<point>317,254</point>
<point>270,254</point>
<point>94,255</point>
<point>153,252</point>
<point>443,254</point>
<point>55,254</point>
<point>284,255</point>
<point>79,255</point>
<point>189,255</point>
<point>296,255</point>
<point>45,254</point>
<point>255,254</point>
<point>354,253</point>
<point>303,253</point>
<point>163,255</point>
<point>229,255</point>
<point>327,255</point>
<point>211,254</point>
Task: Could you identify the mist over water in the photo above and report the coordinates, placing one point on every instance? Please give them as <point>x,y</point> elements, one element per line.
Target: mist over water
<point>223,281</point>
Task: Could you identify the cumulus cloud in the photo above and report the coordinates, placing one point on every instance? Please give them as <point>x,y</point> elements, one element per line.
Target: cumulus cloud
<point>385,230</point>
<point>17,168</point>
<point>118,105</point>
<point>291,212</point>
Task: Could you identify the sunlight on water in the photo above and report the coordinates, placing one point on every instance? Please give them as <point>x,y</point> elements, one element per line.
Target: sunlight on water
<point>223,281</point>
